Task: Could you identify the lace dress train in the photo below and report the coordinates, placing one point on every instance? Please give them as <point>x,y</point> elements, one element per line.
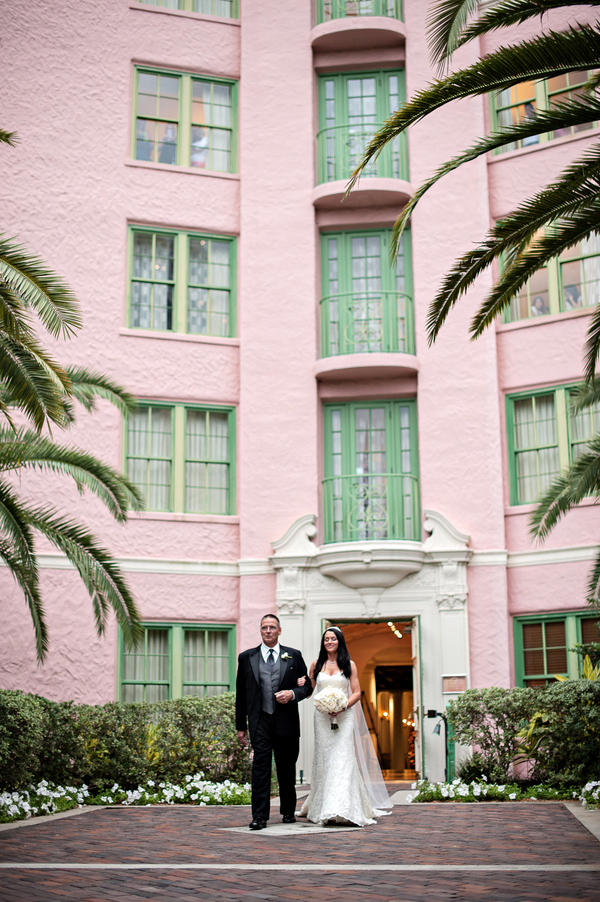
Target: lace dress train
<point>337,789</point>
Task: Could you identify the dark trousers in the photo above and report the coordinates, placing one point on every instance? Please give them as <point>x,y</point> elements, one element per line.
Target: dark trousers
<point>266,743</point>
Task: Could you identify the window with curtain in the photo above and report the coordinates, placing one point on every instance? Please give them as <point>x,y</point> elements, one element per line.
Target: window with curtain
<point>544,646</point>
<point>182,282</point>
<point>544,436</point>
<point>178,659</point>
<point>370,489</point>
<point>227,9</point>
<point>569,282</point>
<point>181,458</point>
<point>351,109</point>
<point>185,120</point>
<point>366,305</point>
<point>516,104</point>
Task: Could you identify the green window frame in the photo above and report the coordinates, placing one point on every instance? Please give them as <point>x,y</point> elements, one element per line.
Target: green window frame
<point>175,660</point>
<point>327,10</point>
<point>182,282</point>
<point>569,282</point>
<point>352,106</point>
<point>371,484</point>
<point>182,457</point>
<point>512,105</point>
<point>544,436</point>
<point>544,646</point>
<point>366,306</point>
<point>225,9</point>
<point>181,119</point>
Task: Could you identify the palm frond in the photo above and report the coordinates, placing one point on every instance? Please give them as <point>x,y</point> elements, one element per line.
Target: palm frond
<point>8,138</point>
<point>26,449</point>
<point>446,22</point>
<point>30,278</point>
<point>98,571</point>
<point>505,14</point>
<point>545,56</point>
<point>580,480</point>
<point>584,396</point>
<point>592,346</point>
<point>32,381</point>
<point>564,235</point>
<point>88,385</point>
<point>593,586</point>
<point>15,528</point>
<point>27,581</point>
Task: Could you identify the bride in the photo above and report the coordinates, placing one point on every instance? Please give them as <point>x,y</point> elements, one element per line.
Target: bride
<point>346,785</point>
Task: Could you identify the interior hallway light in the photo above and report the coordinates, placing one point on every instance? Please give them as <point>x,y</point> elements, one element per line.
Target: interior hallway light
<point>394,629</point>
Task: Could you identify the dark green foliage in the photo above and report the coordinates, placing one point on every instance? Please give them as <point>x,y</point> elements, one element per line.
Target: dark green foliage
<point>565,736</point>
<point>99,745</point>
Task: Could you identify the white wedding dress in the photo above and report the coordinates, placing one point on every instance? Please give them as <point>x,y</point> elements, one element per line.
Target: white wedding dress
<point>337,791</point>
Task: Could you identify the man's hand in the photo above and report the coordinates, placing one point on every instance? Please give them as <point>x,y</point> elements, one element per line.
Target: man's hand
<point>284,696</point>
<point>242,737</point>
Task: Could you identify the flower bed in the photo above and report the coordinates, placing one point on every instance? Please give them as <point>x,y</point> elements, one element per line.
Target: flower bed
<point>45,798</point>
<point>482,791</point>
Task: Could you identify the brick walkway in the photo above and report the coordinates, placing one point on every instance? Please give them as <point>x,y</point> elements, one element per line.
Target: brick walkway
<point>527,852</point>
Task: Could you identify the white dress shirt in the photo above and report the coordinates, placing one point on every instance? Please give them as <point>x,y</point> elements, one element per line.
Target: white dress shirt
<point>264,650</point>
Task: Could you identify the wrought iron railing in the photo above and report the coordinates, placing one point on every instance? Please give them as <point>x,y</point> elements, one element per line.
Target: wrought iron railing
<point>340,149</point>
<point>365,507</point>
<point>362,322</point>
<point>341,9</point>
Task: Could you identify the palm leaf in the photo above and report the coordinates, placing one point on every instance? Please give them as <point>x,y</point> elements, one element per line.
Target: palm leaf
<point>578,481</point>
<point>502,15</point>
<point>593,585</point>
<point>98,571</point>
<point>8,138</point>
<point>88,385</point>
<point>446,22</point>
<point>32,381</point>
<point>545,56</point>
<point>592,346</point>
<point>42,290</point>
<point>585,396</point>
<point>29,587</point>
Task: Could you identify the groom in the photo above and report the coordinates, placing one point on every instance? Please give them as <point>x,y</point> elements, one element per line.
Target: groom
<point>267,696</point>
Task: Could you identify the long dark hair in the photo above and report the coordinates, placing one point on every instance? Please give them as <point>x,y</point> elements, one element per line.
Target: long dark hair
<point>343,655</point>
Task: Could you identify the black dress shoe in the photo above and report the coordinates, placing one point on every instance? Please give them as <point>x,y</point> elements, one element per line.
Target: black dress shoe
<point>289,819</point>
<point>259,823</point>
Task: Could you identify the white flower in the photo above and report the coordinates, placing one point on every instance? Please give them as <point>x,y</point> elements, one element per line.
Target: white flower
<point>330,700</point>
<point>512,795</point>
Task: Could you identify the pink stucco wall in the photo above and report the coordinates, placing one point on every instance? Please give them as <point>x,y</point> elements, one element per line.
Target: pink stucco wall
<point>72,191</point>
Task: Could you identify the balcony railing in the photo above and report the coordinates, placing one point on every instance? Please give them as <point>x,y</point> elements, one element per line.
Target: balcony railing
<point>372,506</point>
<point>340,149</point>
<point>342,9</point>
<point>363,322</point>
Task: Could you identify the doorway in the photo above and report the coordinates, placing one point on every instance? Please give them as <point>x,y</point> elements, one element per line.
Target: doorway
<point>383,652</point>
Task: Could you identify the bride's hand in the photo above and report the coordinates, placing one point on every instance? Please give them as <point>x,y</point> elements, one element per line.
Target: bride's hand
<point>301,680</point>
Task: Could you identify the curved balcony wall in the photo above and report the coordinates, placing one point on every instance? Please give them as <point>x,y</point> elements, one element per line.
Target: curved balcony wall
<point>340,149</point>
<point>342,27</point>
<point>367,322</point>
<point>327,10</point>
<point>371,507</point>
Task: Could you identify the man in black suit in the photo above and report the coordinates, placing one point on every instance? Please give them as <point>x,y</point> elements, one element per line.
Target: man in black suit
<point>267,696</point>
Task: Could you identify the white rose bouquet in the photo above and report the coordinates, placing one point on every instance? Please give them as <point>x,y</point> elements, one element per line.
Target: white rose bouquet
<point>331,701</point>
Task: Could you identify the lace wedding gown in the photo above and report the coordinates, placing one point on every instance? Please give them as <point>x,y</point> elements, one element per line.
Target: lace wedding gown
<point>337,790</point>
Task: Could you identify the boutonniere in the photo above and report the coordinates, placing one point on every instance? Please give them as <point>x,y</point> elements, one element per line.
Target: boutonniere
<point>286,656</point>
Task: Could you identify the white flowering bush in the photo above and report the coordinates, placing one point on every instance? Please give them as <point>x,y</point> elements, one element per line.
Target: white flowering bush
<point>483,791</point>
<point>590,794</point>
<point>45,798</point>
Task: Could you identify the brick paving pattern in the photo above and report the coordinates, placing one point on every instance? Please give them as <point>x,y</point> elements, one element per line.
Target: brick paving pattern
<point>530,834</point>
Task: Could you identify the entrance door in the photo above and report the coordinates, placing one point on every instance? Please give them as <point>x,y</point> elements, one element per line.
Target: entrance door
<point>417,695</point>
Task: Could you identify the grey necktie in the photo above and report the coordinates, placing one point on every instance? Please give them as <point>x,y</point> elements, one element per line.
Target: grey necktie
<point>271,660</point>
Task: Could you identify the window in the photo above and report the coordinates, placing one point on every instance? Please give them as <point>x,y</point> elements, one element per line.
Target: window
<point>519,102</point>
<point>176,660</point>
<point>351,109</point>
<point>544,646</point>
<point>544,436</point>
<point>182,282</point>
<point>366,306</point>
<point>181,458</point>
<point>228,9</point>
<point>570,282</point>
<point>340,9</point>
<point>185,120</point>
<point>370,490</point>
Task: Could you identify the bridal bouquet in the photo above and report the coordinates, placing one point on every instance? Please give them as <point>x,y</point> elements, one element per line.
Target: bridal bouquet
<point>331,701</point>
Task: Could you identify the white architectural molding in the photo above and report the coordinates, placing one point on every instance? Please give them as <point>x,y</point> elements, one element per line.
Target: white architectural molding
<point>453,602</point>
<point>367,566</point>
<point>445,542</point>
<point>296,544</point>
<point>174,567</point>
<point>542,556</point>
<point>494,558</point>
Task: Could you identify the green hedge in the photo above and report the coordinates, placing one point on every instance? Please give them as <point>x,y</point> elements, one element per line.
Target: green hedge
<point>99,745</point>
<point>565,740</point>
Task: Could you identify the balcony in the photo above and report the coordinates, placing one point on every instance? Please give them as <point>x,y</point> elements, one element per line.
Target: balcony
<point>326,10</point>
<point>339,151</point>
<point>367,322</point>
<point>371,507</point>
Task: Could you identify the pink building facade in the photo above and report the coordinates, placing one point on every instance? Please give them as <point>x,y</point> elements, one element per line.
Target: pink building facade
<point>302,449</point>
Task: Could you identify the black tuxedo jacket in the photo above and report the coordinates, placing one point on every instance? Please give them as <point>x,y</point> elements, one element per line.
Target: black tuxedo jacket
<point>248,699</point>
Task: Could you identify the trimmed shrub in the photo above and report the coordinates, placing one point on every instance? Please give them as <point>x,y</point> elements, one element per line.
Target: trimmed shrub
<point>99,745</point>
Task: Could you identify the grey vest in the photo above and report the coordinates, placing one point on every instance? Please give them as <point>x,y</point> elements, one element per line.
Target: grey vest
<point>269,682</point>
